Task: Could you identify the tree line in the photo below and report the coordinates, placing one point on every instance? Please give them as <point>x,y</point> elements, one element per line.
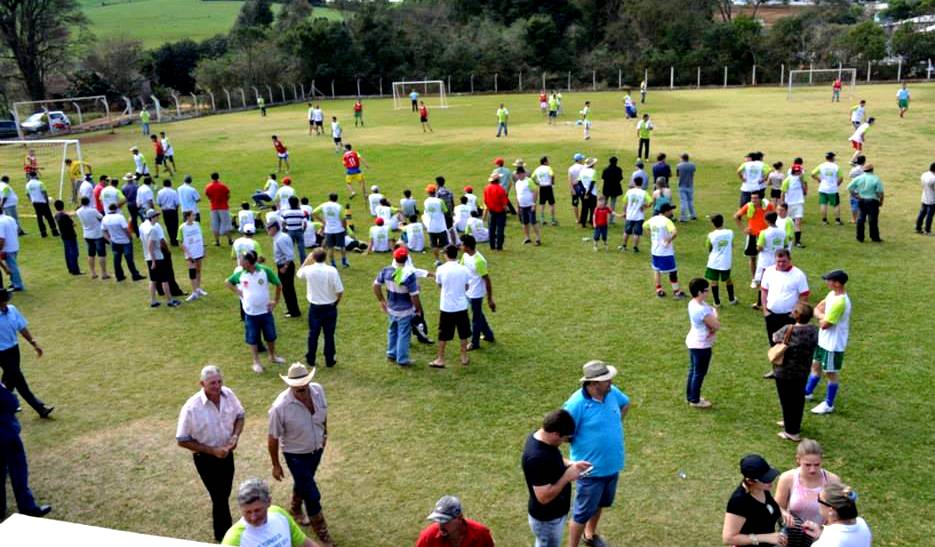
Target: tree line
<point>47,46</point>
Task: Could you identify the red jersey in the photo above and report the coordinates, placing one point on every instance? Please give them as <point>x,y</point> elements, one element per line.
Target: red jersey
<point>475,535</point>
<point>601,216</point>
<point>543,98</point>
<point>219,194</point>
<point>423,111</point>
<point>837,85</point>
<point>280,147</point>
<point>98,204</point>
<point>358,107</point>
<point>157,148</point>
<point>31,165</point>
<point>351,161</point>
<point>495,197</point>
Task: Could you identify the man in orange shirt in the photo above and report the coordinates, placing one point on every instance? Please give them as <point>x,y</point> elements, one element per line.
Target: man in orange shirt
<point>754,214</point>
<point>219,194</point>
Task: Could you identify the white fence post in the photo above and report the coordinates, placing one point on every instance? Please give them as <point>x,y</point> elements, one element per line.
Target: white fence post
<point>811,68</point>
<point>543,79</point>
<point>899,70</point>
<point>868,72</point>
<point>128,111</point>
<point>472,83</point>
<point>243,98</point>
<point>282,91</point>
<point>520,80</point>
<point>178,107</point>
<point>754,75</point>
<point>698,84</point>
<point>158,107</point>
<point>80,117</point>
<point>256,92</point>
<point>782,74</point>
<point>593,80</point>
<point>725,76</point>
<point>381,87</point>
<point>213,104</point>
<point>332,89</point>
<point>358,87</point>
<point>195,102</point>
<point>569,82</point>
<point>495,86</point>
<point>619,78</point>
<point>646,76</point>
<point>671,77</point>
<point>839,69</point>
<point>295,93</point>
<point>448,90</point>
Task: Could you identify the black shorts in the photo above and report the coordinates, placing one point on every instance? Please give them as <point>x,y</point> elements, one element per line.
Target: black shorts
<point>334,241</point>
<point>159,274</point>
<point>750,247</point>
<point>319,123</point>
<point>546,195</point>
<point>527,215</point>
<point>775,194</point>
<point>337,140</point>
<point>553,113</point>
<point>161,159</point>
<point>575,200</point>
<point>448,321</point>
<point>449,221</point>
<point>96,247</point>
<point>438,240</point>
<point>311,123</point>
<point>424,119</point>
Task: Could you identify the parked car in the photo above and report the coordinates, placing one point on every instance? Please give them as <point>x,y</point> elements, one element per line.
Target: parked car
<point>56,120</point>
<point>8,129</point>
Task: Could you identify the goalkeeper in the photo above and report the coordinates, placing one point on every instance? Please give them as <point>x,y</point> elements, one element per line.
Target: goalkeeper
<point>77,170</point>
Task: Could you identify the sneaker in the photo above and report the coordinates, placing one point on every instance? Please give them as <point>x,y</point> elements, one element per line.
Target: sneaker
<point>154,304</point>
<point>756,306</point>
<point>345,264</point>
<point>838,222</point>
<point>258,368</point>
<point>702,403</point>
<point>636,249</point>
<point>660,293</point>
<point>138,278</point>
<point>174,303</point>
<point>809,397</point>
<point>352,195</point>
<point>621,248</point>
<point>201,292</point>
<point>823,408</point>
<point>278,360</point>
<point>771,375</point>
<point>734,302</point>
<point>594,541</point>
<point>538,243</point>
<point>193,296</point>
<point>679,295</point>
<point>753,284</point>
<point>800,245</point>
<point>526,242</point>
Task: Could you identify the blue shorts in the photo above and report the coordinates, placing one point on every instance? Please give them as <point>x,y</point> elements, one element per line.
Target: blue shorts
<point>593,493</point>
<point>664,264</point>
<point>633,227</point>
<point>600,232</point>
<point>254,324</point>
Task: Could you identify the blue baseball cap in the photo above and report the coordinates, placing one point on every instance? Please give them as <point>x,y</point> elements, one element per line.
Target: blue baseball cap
<point>578,157</point>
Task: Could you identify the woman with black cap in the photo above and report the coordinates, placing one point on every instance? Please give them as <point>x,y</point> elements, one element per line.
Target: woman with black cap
<point>752,513</point>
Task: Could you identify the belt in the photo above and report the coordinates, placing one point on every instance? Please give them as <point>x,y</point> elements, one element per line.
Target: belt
<point>321,305</point>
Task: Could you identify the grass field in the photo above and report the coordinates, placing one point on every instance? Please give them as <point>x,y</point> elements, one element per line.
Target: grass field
<point>118,372</point>
<point>155,22</point>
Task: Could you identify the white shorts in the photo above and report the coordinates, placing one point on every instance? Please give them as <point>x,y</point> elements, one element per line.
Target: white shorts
<point>543,106</point>
<point>796,210</point>
<point>283,156</point>
<point>763,261</point>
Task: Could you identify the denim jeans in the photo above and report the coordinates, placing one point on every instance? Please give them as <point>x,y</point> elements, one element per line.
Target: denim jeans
<point>298,238</point>
<point>261,198</point>
<point>321,319</point>
<point>16,280</point>
<point>686,203</point>
<point>123,250</point>
<point>14,463</point>
<point>14,214</point>
<point>699,358</point>
<point>502,127</point>
<point>397,339</point>
<point>497,227</point>
<point>548,533</point>
<point>71,255</point>
<point>479,323</point>
<point>926,212</point>
<point>303,468</point>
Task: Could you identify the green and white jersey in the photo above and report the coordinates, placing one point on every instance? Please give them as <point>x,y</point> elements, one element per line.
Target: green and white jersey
<point>771,240</point>
<point>794,190</point>
<point>380,238</point>
<point>502,115</point>
<point>828,175</point>
<point>434,217</point>
<point>838,313</point>
<point>787,225</point>
<point>254,288</point>
<point>661,228</point>
<point>282,196</point>
<point>637,199</point>
<point>543,175</point>
<point>279,530</point>
<point>720,249</point>
<point>192,240</point>
<point>242,245</point>
<point>477,267</point>
<point>8,195</point>
<point>109,195</point>
<point>525,192</point>
<point>36,190</point>
<point>415,236</point>
<point>752,175</point>
<point>585,114</point>
<point>330,212</point>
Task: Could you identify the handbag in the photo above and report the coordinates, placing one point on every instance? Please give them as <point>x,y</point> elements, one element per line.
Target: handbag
<point>777,353</point>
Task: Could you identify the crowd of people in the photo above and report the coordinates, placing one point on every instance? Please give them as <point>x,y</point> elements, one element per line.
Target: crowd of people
<point>810,504</point>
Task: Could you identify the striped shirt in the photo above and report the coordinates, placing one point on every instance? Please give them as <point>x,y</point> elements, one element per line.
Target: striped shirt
<point>293,219</point>
<point>398,291</point>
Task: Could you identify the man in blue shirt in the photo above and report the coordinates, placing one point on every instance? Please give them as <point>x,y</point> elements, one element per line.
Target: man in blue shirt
<point>401,304</point>
<point>12,323</point>
<point>598,409</point>
<point>13,458</point>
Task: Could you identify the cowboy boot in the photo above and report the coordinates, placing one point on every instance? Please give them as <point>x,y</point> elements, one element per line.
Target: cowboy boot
<point>321,529</point>
<point>296,511</point>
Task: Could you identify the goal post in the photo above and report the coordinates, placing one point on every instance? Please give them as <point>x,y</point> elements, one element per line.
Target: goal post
<point>50,160</point>
<point>433,92</point>
<point>822,77</point>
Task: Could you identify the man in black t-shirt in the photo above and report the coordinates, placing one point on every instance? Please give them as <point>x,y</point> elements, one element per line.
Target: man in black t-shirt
<point>549,476</point>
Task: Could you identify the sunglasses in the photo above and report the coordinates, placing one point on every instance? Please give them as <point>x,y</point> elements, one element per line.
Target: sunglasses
<point>825,503</point>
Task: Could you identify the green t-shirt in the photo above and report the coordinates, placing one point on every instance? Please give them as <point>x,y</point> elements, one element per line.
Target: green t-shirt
<point>502,115</point>
<point>866,186</point>
<point>144,116</point>
<point>279,530</point>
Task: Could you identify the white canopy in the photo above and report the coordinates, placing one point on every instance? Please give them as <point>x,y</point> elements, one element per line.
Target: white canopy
<point>43,532</point>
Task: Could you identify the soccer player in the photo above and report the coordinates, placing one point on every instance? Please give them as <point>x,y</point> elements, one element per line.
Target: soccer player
<point>836,91</point>
<point>193,246</point>
<point>414,99</point>
<point>828,175</point>
<point>282,154</point>
<point>543,102</point>
<point>754,212</point>
<point>502,116</point>
<point>752,177</point>
<point>261,104</point>
<point>859,137</point>
<point>858,111</point>
<point>352,162</point>
<point>833,314</point>
<point>720,244</point>
<point>794,190</point>
<point>358,113</point>
<point>168,150</point>
<point>585,114</point>
<point>771,239</point>
<point>337,134</point>
<point>139,162</point>
<point>160,154</point>
<point>544,178</point>
<point>644,129</point>
<point>553,108</point>
<point>629,106</point>
<point>902,100</point>
<point>663,232</point>
<point>637,200</point>
<point>424,117</point>
<point>857,169</point>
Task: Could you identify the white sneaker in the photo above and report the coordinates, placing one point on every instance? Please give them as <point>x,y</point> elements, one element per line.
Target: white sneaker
<point>192,297</point>
<point>753,284</point>
<point>201,292</point>
<point>809,397</point>
<point>258,368</point>
<point>278,360</point>
<point>823,408</point>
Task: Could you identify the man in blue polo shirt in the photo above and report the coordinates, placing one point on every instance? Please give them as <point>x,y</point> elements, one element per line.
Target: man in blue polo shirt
<point>598,409</point>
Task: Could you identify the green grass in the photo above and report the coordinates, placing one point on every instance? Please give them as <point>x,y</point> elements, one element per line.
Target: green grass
<point>155,22</point>
<point>118,372</point>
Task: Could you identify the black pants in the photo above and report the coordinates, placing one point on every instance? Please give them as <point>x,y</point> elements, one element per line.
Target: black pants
<point>218,477</point>
<point>869,213</point>
<point>510,208</point>
<point>287,278</point>
<point>174,288</point>
<point>322,319</point>
<point>135,218</point>
<point>791,393</point>
<point>14,380</point>
<point>44,213</point>
<point>588,204</point>
<point>497,227</point>
<point>639,151</point>
<point>926,212</point>
<point>171,219</point>
<point>776,321</point>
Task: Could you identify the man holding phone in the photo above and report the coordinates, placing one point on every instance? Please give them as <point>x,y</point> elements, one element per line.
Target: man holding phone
<point>549,477</point>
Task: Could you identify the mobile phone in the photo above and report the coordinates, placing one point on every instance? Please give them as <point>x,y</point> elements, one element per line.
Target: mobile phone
<point>587,471</point>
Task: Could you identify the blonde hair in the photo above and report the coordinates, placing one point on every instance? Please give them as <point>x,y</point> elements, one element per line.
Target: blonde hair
<point>842,498</point>
<point>808,447</point>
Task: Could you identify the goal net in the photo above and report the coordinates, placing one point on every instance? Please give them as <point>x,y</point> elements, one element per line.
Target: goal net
<point>431,91</point>
<point>48,159</point>
<point>822,78</point>
<point>56,117</point>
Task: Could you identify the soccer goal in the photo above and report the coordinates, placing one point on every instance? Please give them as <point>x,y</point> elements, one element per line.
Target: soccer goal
<point>431,91</point>
<point>48,160</point>
<point>823,77</point>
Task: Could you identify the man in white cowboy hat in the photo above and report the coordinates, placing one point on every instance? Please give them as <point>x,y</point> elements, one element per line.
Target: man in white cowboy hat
<point>598,409</point>
<point>298,423</point>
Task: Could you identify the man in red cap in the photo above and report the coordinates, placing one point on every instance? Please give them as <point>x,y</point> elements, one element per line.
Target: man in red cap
<point>401,304</point>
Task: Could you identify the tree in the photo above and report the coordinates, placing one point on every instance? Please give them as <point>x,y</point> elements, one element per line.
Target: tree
<point>865,42</point>
<point>255,13</point>
<point>172,65</point>
<point>114,61</point>
<point>37,35</point>
<point>912,46</point>
<point>292,13</point>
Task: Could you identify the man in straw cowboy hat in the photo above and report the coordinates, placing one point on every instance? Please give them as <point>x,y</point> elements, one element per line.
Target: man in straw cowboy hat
<point>298,422</point>
<point>598,409</point>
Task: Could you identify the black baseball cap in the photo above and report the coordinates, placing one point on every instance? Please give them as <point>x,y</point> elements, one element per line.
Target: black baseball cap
<point>754,467</point>
<point>836,275</point>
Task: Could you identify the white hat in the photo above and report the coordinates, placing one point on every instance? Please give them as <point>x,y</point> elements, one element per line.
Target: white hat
<point>298,375</point>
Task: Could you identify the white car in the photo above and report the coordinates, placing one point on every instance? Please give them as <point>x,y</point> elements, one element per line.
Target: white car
<point>43,121</point>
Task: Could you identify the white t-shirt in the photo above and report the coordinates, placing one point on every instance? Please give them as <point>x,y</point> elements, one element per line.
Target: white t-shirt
<point>928,188</point>
<point>8,194</point>
<point>472,201</point>
<point>311,114</point>
<point>660,227</point>
<point>277,531</point>
<point>116,227</point>
<point>783,288</point>
<point>140,163</point>
<point>434,217</point>
<point>110,195</point>
<point>857,114</point>
<point>90,220</point>
<point>476,265</point>
<point>543,175</point>
<point>144,197</point>
<point>524,192</point>
<point>322,283</point>
<point>795,193</point>
<point>574,171</point>
<point>637,199</point>
<point>167,149</point>
<point>586,176</point>
<point>380,237</point>
<point>461,216</point>
<point>86,190</point>
<point>36,191</point>
<point>453,278</point>
<point>255,288</point>
<point>330,212</point>
<point>772,239</point>
<point>151,233</point>
<point>699,336</point>
<point>374,201</point>
<point>845,535</point>
<point>752,175</point>
<point>828,177</point>
<point>245,216</point>
<point>9,230</point>
<point>720,256</point>
<point>858,135</point>
<point>270,188</point>
<point>192,240</point>
<point>476,228</point>
<point>318,114</point>
<point>838,312</point>
<point>335,130</point>
<point>283,195</point>
<point>415,236</point>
